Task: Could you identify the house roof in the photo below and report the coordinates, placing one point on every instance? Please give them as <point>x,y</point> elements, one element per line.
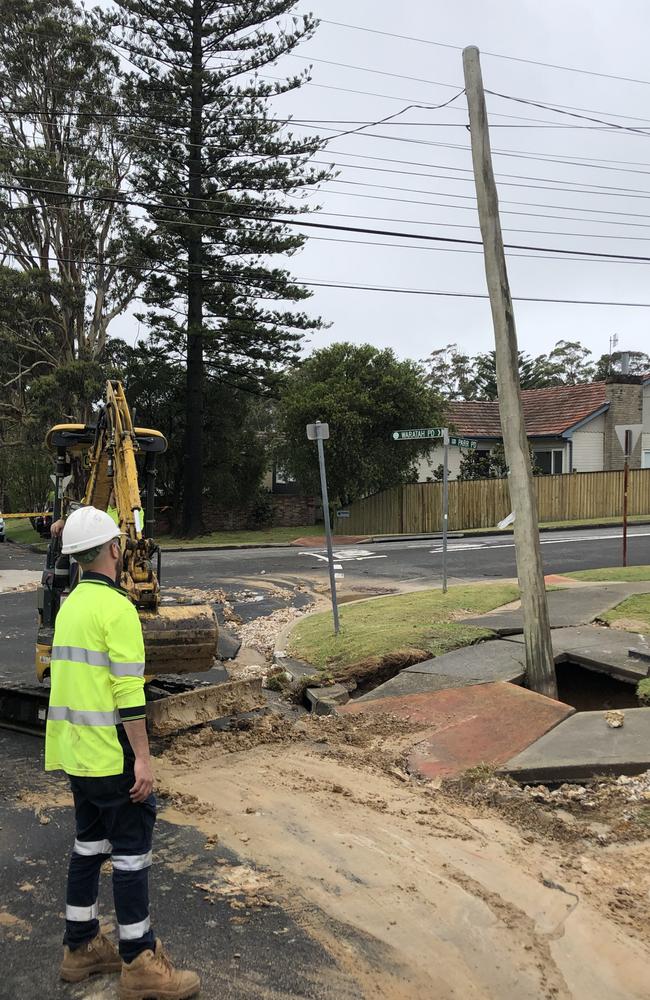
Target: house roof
<point>547,412</point>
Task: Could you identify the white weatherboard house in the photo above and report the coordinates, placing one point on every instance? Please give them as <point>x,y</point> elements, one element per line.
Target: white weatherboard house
<point>571,428</point>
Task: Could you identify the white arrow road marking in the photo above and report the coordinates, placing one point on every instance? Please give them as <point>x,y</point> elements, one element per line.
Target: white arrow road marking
<point>345,555</point>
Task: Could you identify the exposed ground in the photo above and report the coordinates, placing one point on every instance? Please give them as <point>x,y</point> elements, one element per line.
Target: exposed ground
<point>633,615</point>
<point>474,888</point>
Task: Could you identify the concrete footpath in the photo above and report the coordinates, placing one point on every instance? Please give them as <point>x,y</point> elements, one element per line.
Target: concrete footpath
<point>241,948</point>
<point>477,712</point>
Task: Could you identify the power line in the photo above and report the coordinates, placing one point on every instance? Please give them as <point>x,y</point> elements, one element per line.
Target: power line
<point>355,286</point>
<point>492,55</point>
<point>470,208</point>
<point>563,111</point>
<point>293,221</point>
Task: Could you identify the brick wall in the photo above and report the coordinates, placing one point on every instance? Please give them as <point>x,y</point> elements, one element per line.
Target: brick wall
<point>288,512</point>
<point>625,395</point>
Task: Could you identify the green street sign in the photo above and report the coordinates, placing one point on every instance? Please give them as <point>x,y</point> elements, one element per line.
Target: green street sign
<point>462,442</point>
<point>421,433</point>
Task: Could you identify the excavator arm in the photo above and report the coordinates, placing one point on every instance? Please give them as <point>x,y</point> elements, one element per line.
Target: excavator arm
<point>114,473</point>
<point>177,640</point>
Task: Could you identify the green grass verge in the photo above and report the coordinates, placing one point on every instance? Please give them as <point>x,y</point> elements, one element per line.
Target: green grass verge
<point>424,620</point>
<point>22,531</point>
<point>241,537</point>
<point>635,609</point>
<point>612,573</point>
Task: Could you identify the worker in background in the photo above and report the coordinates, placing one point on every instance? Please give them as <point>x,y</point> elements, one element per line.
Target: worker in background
<point>111,510</point>
<point>96,733</point>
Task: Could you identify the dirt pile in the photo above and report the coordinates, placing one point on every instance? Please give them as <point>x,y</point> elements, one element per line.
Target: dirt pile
<point>242,886</point>
<point>466,889</point>
<point>378,741</point>
<point>606,811</point>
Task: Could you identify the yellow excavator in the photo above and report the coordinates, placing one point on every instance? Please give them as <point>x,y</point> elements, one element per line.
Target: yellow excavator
<point>177,639</point>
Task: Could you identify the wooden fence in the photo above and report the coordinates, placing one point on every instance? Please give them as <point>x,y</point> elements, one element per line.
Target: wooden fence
<point>417,508</point>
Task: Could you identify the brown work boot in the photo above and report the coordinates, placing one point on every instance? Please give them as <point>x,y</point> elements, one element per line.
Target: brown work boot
<point>98,955</point>
<point>151,976</point>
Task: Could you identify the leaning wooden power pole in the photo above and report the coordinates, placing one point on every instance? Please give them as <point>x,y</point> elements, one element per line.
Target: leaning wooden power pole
<point>540,667</point>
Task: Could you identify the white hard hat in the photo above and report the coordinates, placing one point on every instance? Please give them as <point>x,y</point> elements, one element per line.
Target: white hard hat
<point>87,528</point>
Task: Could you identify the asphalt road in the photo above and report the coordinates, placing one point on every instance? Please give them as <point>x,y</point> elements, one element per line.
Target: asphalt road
<point>258,951</point>
<point>420,561</point>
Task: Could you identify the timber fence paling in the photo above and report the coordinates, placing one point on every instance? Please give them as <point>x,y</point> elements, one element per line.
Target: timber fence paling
<point>416,508</point>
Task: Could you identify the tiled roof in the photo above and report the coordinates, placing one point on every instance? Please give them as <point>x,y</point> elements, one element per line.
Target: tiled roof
<point>547,412</point>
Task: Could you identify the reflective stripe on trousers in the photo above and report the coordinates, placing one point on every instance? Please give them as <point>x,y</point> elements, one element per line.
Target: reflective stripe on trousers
<point>82,913</point>
<point>131,932</point>
<point>87,848</point>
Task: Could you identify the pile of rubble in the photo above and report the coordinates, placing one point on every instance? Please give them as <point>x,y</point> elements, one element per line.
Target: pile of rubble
<point>606,808</point>
<point>623,788</point>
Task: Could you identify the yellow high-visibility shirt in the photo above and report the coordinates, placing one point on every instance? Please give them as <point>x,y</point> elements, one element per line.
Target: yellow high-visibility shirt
<point>97,680</point>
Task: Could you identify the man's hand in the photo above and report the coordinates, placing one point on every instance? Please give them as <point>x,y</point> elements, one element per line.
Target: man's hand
<point>143,780</point>
<point>57,528</point>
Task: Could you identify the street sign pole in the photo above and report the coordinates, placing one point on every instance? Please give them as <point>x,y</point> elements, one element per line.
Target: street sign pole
<point>445,505</point>
<point>439,433</point>
<point>628,436</point>
<point>626,477</point>
<point>319,432</point>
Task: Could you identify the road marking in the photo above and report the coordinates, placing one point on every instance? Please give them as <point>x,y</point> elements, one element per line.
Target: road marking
<point>459,548</point>
<point>345,555</point>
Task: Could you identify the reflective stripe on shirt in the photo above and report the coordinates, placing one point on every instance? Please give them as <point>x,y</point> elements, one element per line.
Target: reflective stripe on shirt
<point>127,669</point>
<point>81,717</point>
<point>76,654</point>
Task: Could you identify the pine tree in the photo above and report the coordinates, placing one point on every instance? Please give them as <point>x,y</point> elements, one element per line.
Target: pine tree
<point>218,166</point>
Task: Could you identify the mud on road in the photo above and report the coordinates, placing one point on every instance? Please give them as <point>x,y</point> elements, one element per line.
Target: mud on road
<point>418,889</point>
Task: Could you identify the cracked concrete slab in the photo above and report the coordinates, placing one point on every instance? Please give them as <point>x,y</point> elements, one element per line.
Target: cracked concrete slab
<point>584,746</point>
<point>482,723</point>
<point>598,648</point>
<point>483,663</point>
<point>570,607</point>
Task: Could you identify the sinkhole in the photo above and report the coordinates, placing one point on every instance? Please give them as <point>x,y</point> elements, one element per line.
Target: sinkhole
<point>589,690</point>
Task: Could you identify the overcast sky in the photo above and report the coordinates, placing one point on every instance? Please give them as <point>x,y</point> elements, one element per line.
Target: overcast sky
<point>435,169</point>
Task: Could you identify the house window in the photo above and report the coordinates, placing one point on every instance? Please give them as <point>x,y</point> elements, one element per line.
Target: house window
<point>550,461</point>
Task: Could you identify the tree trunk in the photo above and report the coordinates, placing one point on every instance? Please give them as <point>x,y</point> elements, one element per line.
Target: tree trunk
<point>194,402</point>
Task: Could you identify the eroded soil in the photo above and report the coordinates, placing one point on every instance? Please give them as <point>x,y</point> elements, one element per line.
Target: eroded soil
<point>475,888</point>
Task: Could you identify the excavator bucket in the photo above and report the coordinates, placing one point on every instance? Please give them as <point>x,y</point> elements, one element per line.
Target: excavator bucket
<point>179,640</point>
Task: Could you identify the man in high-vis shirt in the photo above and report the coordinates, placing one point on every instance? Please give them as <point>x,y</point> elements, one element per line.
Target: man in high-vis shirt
<point>96,733</point>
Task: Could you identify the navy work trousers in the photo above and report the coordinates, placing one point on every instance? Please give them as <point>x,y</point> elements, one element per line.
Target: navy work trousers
<point>110,825</point>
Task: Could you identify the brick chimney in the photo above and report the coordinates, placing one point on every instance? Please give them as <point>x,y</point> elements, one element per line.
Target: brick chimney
<point>625,396</point>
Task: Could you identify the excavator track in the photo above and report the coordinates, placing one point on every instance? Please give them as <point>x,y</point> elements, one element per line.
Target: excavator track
<point>24,709</point>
